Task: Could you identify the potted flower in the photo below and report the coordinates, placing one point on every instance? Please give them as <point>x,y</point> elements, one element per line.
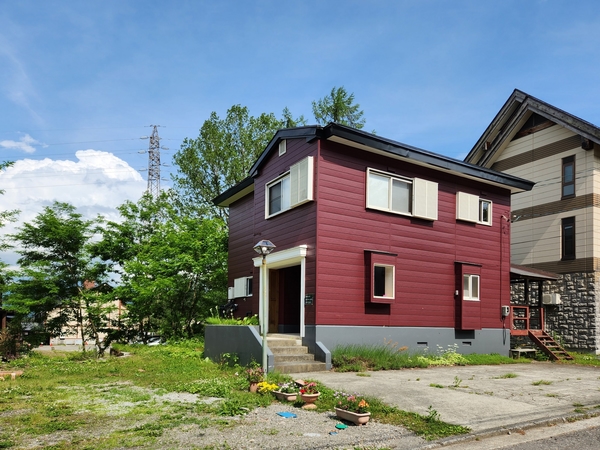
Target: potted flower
<point>309,392</point>
<point>286,391</point>
<point>352,407</point>
<point>254,375</point>
<point>264,387</point>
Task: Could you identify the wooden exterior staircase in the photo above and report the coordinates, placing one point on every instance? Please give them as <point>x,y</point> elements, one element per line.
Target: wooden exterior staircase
<point>291,356</point>
<point>549,346</point>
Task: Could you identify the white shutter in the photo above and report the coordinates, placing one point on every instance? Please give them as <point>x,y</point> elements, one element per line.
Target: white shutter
<point>467,207</point>
<point>239,287</point>
<point>425,199</point>
<point>301,177</point>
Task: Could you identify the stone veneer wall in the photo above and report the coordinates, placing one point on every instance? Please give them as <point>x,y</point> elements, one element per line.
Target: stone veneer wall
<point>574,322</point>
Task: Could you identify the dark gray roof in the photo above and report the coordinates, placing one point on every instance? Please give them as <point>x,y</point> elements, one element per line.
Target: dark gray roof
<point>504,124</point>
<point>371,142</point>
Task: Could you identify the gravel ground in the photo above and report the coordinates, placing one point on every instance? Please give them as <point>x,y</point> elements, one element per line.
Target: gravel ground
<point>263,428</point>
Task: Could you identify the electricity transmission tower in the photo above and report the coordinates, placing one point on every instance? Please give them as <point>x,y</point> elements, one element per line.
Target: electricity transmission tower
<point>154,163</point>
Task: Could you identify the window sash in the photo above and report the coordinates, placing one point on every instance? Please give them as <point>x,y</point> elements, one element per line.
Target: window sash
<point>470,287</point>
<point>279,196</point>
<point>383,281</point>
<point>568,177</point>
<point>485,212</point>
<point>568,238</point>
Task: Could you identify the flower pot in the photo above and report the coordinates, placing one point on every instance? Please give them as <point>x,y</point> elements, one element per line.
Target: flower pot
<point>253,387</point>
<point>310,398</point>
<point>286,396</point>
<point>355,418</point>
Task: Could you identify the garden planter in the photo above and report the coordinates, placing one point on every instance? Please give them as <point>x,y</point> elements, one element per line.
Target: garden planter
<point>253,387</point>
<point>355,418</point>
<point>286,396</point>
<point>310,398</point>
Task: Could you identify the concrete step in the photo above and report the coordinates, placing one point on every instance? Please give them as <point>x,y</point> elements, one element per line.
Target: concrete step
<point>306,357</point>
<point>291,367</point>
<point>289,350</point>
<point>281,341</point>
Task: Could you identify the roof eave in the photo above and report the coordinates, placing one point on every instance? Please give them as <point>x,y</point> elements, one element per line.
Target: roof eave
<point>235,193</point>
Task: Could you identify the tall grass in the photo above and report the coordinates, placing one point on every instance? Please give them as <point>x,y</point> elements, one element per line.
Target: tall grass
<point>357,358</point>
<point>388,356</point>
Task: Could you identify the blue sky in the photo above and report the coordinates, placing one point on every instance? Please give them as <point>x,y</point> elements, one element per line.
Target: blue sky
<point>81,81</point>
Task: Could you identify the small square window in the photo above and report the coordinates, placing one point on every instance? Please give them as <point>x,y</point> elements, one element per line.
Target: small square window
<point>470,287</point>
<point>282,147</point>
<point>383,281</point>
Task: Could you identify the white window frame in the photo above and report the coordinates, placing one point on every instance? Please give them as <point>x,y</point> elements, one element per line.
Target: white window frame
<point>282,147</point>
<point>468,291</point>
<point>390,281</point>
<point>469,208</point>
<point>483,202</point>
<point>241,287</point>
<point>423,197</point>
<point>300,182</point>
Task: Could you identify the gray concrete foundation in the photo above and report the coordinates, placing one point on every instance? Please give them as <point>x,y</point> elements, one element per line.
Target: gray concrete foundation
<point>432,340</point>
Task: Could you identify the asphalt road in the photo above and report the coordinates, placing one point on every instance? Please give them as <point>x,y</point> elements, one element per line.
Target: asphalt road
<point>580,435</point>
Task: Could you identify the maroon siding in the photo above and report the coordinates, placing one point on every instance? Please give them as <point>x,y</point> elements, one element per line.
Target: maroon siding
<point>335,265</point>
<point>247,226</point>
<point>291,228</point>
<point>241,241</point>
<point>427,250</point>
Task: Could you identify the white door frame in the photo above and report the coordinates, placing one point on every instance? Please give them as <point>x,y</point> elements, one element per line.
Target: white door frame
<point>279,260</point>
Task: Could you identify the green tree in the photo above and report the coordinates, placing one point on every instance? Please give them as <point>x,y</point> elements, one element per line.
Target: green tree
<point>338,107</point>
<point>173,266</point>
<point>10,335</point>
<point>221,156</point>
<point>57,285</point>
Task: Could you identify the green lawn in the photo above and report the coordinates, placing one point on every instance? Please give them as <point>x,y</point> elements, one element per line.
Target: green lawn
<point>73,400</point>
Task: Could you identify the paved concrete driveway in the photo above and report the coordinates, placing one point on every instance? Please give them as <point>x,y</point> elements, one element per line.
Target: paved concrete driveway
<point>480,397</point>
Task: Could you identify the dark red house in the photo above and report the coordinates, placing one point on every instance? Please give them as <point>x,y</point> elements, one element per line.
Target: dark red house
<point>376,241</point>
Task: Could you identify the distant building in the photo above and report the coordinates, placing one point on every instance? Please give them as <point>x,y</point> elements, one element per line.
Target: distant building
<point>555,225</point>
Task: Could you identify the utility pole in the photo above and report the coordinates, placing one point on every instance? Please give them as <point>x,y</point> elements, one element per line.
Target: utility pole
<point>154,163</point>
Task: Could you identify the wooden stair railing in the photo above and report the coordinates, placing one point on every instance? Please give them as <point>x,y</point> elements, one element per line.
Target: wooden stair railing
<point>549,346</point>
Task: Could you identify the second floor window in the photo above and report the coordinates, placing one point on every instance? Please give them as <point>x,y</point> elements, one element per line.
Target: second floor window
<point>408,196</point>
<point>568,177</point>
<point>291,189</point>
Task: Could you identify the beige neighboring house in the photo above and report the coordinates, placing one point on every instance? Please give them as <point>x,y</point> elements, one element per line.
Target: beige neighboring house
<point>71,334</point>
<point>555,227</point>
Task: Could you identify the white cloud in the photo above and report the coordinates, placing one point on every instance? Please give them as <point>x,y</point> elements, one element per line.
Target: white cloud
<point>96,183</point>
<point>26,144</point>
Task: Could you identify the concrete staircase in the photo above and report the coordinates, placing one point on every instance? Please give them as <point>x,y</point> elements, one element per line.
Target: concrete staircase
<point>291,356</point>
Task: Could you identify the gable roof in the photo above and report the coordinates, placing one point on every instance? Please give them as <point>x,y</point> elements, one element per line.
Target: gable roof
<point>517,109</point>
<point>378,145</point>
